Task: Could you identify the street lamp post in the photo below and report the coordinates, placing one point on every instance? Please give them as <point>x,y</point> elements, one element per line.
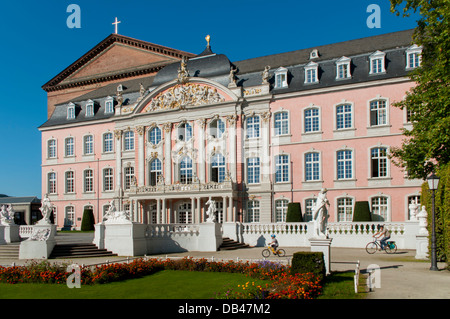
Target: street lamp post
<point>433,182</point>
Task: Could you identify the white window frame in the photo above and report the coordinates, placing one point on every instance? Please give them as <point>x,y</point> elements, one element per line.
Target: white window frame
<point>187,177</point>
<point>282,168</point>
<point>88,180</point>
<point>153,137</point>
<point>315,163</point>
<point>345,115</point>
<point>281,210</point>
<point>108,179</point>
<point>309,202</point>
<point>52,150</point>
<point>284,125</point>
<point>109,105</point>
<point>108,145</point>
<point>346,206</point>
<point>69,182</point>
<point>312,73</point>
<point>343,62</point>
<point>88,145</point>
<point>253,211</point>
<point>380,66</point>
<point>379,163</point>
<point>254,169</point>
<point>379,115</point>
<point>89,109</point>
<point>69,215</point>
<point>128,175</point>
<point>254,127</point>
<point>415,51</point>
<point>347,170</point>
<point>281,78</point>
<point>71,111</point>
<point>185,130</point>
<point>312,117</point>
<point>153,181</point>
<point>128,141</point>
<point>378,206</point>
<point>218,161</point>
<point>217,128</point>
<point>51,183</point>
<point>69,148</point>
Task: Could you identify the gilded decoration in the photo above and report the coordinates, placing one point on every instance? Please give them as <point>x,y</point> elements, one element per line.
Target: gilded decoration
<point>181,95</point>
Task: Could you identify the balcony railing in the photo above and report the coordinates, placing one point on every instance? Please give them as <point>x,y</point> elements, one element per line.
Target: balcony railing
<point>178,187</point>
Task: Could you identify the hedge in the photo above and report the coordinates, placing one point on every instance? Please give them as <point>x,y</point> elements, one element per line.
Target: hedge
<point>308,262</point>
<point>88,221</point>
<point>294,213</point>
<point>362,212</point>
<point>442,209</point>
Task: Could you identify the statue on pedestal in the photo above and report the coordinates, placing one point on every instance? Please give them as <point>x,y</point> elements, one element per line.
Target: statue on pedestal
<point>7,215</point>
<point>116,217</point>
<point>320,214</point>
<point>46,210</point>
<point>211,212</point>
<point>413,209</point>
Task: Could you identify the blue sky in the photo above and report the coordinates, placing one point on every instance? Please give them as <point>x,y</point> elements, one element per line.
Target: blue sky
<point>37,45</point>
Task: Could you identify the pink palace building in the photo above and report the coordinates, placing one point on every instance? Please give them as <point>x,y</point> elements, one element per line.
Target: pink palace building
<point>159,131</point>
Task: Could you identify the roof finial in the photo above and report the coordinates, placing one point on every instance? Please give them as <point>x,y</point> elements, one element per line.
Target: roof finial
<point>208,39</point>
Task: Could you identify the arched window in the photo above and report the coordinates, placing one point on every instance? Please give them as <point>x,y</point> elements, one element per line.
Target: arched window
<point>184,132</point>
<point>217,128</point>
<point>218,168</point>
<point>345,209</point>
<point>155,135</point>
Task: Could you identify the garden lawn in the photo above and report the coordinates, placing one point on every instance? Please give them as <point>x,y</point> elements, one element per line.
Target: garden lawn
<point>166,284</point>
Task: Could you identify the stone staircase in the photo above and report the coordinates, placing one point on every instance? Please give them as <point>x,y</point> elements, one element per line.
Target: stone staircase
<point>83,250</point>
<point>10,251</point>
<point>230,244</point>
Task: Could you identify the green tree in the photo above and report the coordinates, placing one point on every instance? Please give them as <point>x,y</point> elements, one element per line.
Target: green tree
<point>427,144</point>
<point>294,213</point>
<point>362,212</point>
<point>87,223</point>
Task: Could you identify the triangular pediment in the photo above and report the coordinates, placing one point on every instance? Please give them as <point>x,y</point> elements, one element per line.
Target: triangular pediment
<point>116,57</point>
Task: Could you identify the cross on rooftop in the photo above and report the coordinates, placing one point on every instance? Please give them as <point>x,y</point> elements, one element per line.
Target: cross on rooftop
<point>116,25</point>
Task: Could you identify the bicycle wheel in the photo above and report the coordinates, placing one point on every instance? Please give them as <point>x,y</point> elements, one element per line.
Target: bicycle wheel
<point>281,253</point>
<point>265,253</point>
<point>391,248</point>
<point>371,247</point>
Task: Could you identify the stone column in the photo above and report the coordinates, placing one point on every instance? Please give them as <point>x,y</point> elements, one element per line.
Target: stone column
<point>167,128</point>
<point>118,136</point>
<point>164,211</point>
<point>201,151</point>
<point>232,136</point>
<point>265,142</point>
<point>199,211</point>
<point>158,211</point>
<point>224,209</point>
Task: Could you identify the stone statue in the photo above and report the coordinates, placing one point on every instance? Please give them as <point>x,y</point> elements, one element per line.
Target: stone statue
<point>7,215</point>
<point>183,73</point>
<point>115,217</point>
<point>232,77</point>
<point>265,75</point>
<point>320,214</point>
<point>46,210</point>
<point>413,210</point>
<point>423,223</point>
<point>211,212</point>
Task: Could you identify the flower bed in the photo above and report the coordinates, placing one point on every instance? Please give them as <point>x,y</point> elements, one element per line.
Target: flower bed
<point>283,284</point>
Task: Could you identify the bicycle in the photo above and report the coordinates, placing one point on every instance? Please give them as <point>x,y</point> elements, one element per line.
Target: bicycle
<point>373,246</point>
<point>268,250</point>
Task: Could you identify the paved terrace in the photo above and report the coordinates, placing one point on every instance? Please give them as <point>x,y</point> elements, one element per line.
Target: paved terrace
<point>402,276</point>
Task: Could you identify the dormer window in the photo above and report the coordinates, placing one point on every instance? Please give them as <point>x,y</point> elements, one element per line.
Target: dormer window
<point>281,78</point>
<point>343,68</point>
<point>90,108</point>
<point>377,63</point>
<point>71,111</point>
<point>413,57</point>
<point>311,73</point>
<point>314,54</point>
<point>109,105</point>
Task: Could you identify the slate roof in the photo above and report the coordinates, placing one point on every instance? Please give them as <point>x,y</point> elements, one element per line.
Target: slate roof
<point>217,67</point>
<point>19,200</point>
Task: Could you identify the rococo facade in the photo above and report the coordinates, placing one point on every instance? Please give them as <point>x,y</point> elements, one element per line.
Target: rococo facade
<point>161,131</point>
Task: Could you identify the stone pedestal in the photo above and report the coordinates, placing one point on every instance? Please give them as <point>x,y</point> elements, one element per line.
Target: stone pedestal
<point>210,237</point>
<point>126,239</point>
<point>421,246</point>
<point>99,235</point>
<point>40,244</point>
<point>12,233</point>
<point>2,235</point>
<point>322,245</point>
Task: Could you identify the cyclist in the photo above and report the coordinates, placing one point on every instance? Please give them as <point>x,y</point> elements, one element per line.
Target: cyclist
<point>385,234</point>
<point>274,243</point>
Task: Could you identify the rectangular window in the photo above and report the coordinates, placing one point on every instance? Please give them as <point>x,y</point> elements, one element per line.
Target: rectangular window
<point>89,110</point>
<point>311,76</point>
<point>51,149</point>
<point>88,181</point>
<point>88,145</point>
<point>377,65</point>
<point>109,106</point>
<point>71,112</point>
<point>379,208</point>
<point>345,209</point>
<point>281,168</point>
<point>309,203</point>
<point>108,143</point>
<point>312,167</point>
<point>379,161</point>
<point>69,218</point>
<point>311,120</point>
<point>51,183</point>
<point>343,71</point>
<point>378,113</point>
<point>344,164</point>
<point>280,80</point>
<point>129,141</point>
<point>253,127</point>
<point>252,215</point>
<point>129,177</point>
<point>69,147</point>
<point>281,123</point>
<point>281,210</point>
<point>253,170</point>
<point>343,116</point>
<point>108,179</point>
<point>413,60</point>
<point>70,182</point>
